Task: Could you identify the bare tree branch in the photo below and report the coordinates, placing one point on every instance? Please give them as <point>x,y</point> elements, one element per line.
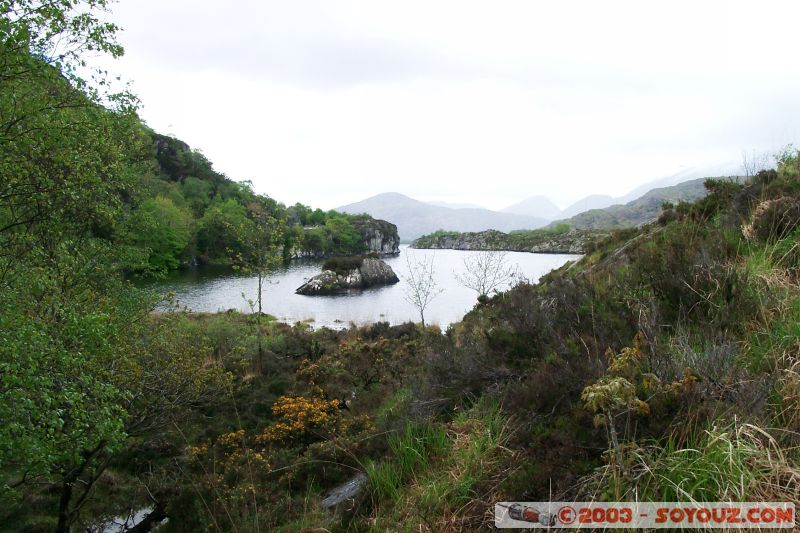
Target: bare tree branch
<point>421,287</point>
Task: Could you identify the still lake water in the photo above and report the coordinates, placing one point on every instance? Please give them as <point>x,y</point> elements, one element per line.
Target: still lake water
<point>213,289</point>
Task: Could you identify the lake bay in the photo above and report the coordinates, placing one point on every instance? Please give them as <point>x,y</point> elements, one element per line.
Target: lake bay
<point>210,289</point>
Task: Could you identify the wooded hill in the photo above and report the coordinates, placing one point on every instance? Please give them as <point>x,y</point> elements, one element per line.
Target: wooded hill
<point>187,214</point>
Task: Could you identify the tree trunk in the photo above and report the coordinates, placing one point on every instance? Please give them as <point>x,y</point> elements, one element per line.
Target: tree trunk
<point>65,515</point>
<point>258,327</point>
<point>64,518</point>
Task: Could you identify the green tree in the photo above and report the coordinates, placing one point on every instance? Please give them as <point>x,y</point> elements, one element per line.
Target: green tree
<point>788,162</point>
<point>264,244</point>
<point>224,231</point>
<point>343,237</point>
<point>61,153</point>
<point>317,218</point>
<point>78,356</point>
<point>197,194</point>
<point>163,230</point>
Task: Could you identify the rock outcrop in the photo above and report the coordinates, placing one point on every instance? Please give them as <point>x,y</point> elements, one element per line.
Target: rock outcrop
<point>380,237</point>
<point>371,273</point>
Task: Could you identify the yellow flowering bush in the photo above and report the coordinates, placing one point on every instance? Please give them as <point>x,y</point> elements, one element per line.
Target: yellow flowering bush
<point>298,415</point>
<point>228,455</point>
<point>231,471</point>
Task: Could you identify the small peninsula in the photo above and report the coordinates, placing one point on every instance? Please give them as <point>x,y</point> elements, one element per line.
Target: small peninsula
<point>560,239</point>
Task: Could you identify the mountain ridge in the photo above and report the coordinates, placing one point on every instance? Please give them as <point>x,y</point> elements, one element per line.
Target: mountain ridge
<point>538,203</point>
<point>415,218</point>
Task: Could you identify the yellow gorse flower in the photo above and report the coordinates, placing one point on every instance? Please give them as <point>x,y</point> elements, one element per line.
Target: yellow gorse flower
<point>297,415</point>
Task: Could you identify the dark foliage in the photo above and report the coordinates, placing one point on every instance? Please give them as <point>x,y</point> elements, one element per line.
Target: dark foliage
<point>774,220</point>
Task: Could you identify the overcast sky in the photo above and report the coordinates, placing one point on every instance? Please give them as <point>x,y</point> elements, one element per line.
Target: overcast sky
<point>328,102</point>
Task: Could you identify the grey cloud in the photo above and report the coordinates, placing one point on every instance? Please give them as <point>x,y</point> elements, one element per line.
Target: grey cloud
<point>294,48</point>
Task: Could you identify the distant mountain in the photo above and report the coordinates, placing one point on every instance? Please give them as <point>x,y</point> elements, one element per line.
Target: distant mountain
<point>456,205</point>
<point>594,201</point>
<point>535,206</point>
<point>414,218</point>
<point>643,209</point>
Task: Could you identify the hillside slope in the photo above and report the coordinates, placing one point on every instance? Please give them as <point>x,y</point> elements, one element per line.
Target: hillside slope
<point>598,368</point>
<point>639,211</point>
<point>602,201</point>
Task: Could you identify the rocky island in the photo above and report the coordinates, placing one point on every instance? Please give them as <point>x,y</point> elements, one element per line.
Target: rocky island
<point>342,274</point>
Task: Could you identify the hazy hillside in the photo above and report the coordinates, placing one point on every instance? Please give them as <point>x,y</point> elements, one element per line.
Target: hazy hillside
<point>602,201</point>
<point>456,205</point>
<point>535,206</point>
<point>593,201</point>
<point>414,218</point>
<point>644,209</point>
<point>689,174</point>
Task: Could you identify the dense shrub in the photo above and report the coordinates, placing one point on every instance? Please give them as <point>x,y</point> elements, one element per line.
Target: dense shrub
<point>344,265</point>
<point>774,220</point>
<point>688,268</point>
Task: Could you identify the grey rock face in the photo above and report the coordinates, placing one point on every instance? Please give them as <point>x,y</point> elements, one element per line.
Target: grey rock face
<point>372,272</point>
<point>380,237</point>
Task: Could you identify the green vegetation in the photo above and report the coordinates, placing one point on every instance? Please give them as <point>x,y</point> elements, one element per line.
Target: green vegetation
<point>556,229</point>
<point>83,375</point>
<point>437,473</point>
<point>411,451</point>
<point>662,365</point>
<point>558,238</point>
<point>521,239</point>
<point>344,265</point>
<point>439,233</point>
<point>186,213</point>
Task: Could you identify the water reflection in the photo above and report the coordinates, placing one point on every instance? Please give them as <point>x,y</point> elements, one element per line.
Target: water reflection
<point>211,289</point>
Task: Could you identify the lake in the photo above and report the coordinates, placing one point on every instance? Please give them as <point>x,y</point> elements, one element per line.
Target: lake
<point>210,289</point>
